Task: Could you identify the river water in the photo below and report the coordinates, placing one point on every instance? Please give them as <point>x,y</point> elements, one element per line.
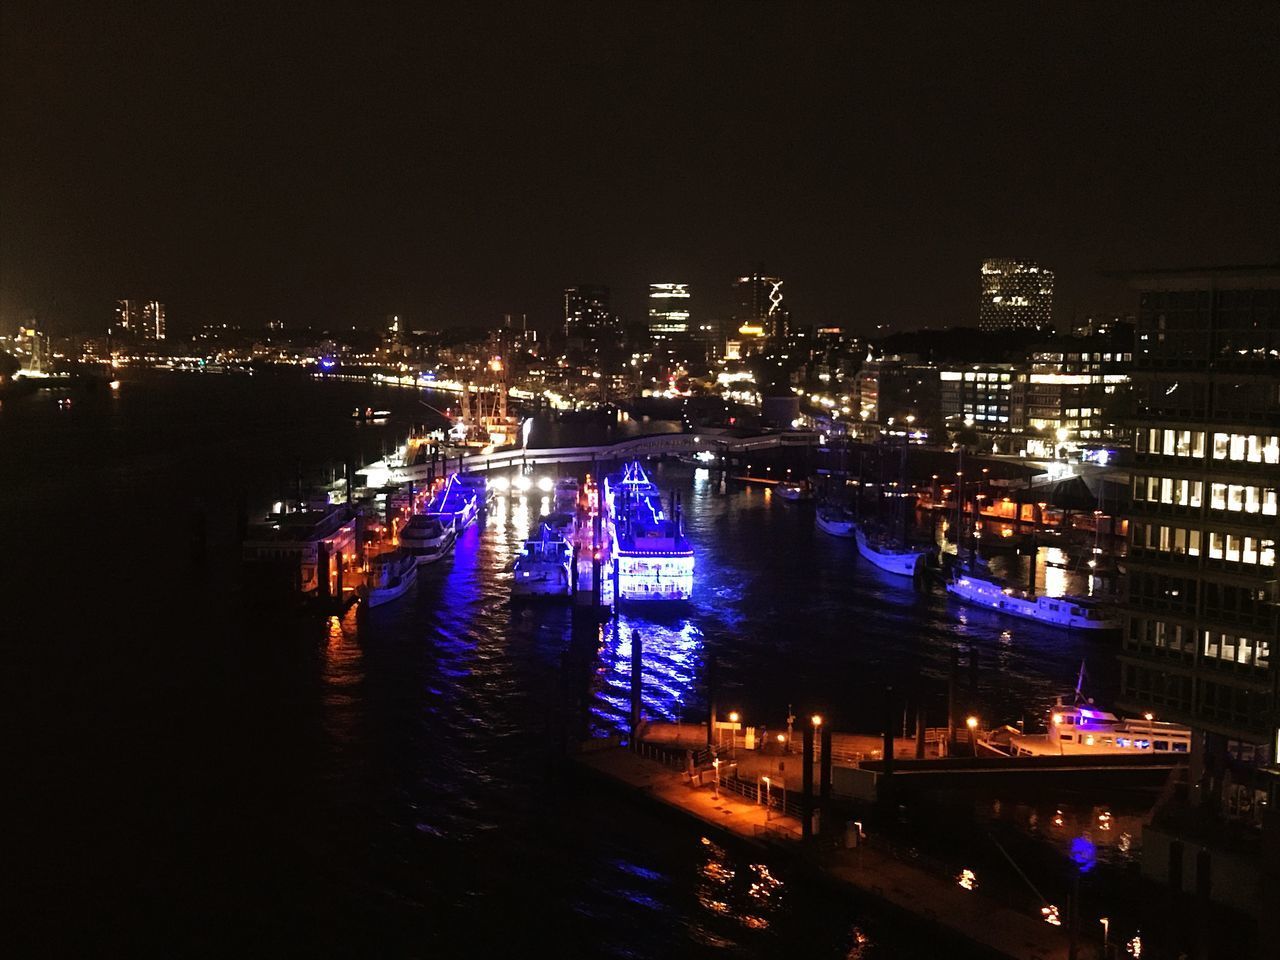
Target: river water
<point>197,781</point>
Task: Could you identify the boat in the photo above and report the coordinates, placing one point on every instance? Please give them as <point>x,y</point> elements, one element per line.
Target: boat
<point>793,492</point>
<point>390,576</point>
<point>835,520</point>
<point>454,506</point>
<point>544,567</point>
<point>885,553</point>
<point>368,413</point>
<point>479,484</point>
<point>1072,613</point>
<point>426,538</point>
<point>654,558</point>
<point>1080,727</point>
<point>566,496</point>
<point>562,524</point>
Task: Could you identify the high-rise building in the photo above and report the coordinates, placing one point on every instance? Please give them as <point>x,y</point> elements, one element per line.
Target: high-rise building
<point>1016,295</point>
<point>139,318</point>
<point>153,320</point>
<point>1202,614</point>
<point>761,313</point>
<point>987,397</point>
<point>588,320</point>
<point>669,311</point>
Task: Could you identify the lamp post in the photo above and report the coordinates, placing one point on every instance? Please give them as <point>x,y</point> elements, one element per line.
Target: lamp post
<point>972,723</point>
<point>1106,934</point>
<point>768,799</point>
<point>716,764</point>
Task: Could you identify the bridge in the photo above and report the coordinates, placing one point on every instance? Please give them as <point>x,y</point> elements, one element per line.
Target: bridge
<point>632,448</point>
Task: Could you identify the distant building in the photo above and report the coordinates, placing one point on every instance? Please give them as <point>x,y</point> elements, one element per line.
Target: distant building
<point>1202,614</point>
<point>899,388</point>
<point>669,310</point>
<point>987,397</point>
<point>761,314</point>
<point>1016,295</point>
<point>143,319</point>
<point>1078,385</point>
<point>588,321</point>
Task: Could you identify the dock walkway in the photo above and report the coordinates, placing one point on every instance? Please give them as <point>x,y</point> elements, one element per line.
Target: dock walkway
<point>864,869</point>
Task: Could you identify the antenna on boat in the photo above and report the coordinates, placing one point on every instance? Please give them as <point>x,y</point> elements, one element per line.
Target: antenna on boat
<point>1080,685</point>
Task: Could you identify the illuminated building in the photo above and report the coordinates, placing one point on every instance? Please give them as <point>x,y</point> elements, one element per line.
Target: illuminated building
<point>139,318</point>
<point>989,397</point>
<point>898,387</point>
<point>668,310</point>
<point>1016,295</point>
<point>1202,607</point>
<point>1080,386</point>
<point>761,313</point>
<point>588,321</point>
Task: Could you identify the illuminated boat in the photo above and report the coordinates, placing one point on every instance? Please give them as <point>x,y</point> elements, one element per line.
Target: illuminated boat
<point>889,556</point>
<point>369,414</point>
<point>454,506</point>
<point>390,576</point>
<point>793,492</point>
<point>1082,728</point>
<point>544,567</point>
<point>1072,613</point>
<point>835,520</point>
<point>426,538</point>
<point>654,559</point>
<point>477,484</point>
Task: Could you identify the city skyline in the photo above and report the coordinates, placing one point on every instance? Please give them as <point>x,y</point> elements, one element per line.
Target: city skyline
<point>302,204</point>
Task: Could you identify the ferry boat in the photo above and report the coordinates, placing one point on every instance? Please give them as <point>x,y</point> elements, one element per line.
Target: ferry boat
<point>454,506</point>
<point>1073,613</point>
<point>426,538</point>
<point>544,567</point>
<point>835,520</point>
<point>369,414</point>
<point>887,555</point>
<point>390,576</point>
<point>654,558</point>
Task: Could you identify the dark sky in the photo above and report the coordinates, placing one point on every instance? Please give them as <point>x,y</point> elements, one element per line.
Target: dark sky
<point>273,160</point>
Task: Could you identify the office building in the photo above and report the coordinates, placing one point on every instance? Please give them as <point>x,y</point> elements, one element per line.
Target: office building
<point>987,397</point>
<point>588,321</point>
<point>761,315</point>
<point>1017,295</point>
<point>143,319</point>
<point>1202,614</point>
<point>669,311</point>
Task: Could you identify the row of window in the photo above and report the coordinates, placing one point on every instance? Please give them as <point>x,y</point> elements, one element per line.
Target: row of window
<point>1235,649</point>
<point>1237,447</point>
<point>1215,701</point>
<point>1232,547</point>
<point>1232,497</point>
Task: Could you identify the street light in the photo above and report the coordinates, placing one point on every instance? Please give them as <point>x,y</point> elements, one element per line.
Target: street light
<point>716,764</point>
<point>768,799</point>
<point>816,719</point>
<point>972,723</point>
<point>1106,933</point>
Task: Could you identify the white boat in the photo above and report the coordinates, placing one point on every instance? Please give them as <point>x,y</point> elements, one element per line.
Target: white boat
<point>836,521</point>
<point>1082,728</point>
<point>1073,613</point>
<point>544,567</point>
<point>390,576</point>
<point>792,492</point>
<point>888,556</point>
<point>654,557</point>
<point>426,538</point>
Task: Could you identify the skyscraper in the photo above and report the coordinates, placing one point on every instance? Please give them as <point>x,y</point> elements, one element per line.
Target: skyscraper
<point>153,320</point>
<point>761,313</point>
<point>1016,295</point>
<point>668,310</point>
<point>139,318</point>
<point>587,318</point>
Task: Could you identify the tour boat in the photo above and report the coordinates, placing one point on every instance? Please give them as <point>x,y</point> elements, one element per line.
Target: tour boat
<point>390,576</point>
<point>654,558</point>
<point>836,521</point>
<point>426,538</point>
<point>1073,613</point>
<point>888,555</point>
<point>455,505</point>
<point>544,567</point>
<point>561,524</point>
<point>368,413</point>
<point>477,484</point>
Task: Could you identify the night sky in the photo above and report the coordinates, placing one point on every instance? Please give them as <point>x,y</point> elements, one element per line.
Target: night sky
<point>454,163</point>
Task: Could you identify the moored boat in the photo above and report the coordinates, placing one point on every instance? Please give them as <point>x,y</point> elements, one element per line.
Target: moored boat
<point>426,538</point>
<point>835,520</point>
<point>390,576</point>
<point>793,492</point>
<point>654,558</point>
<point>455,506</point>
<point>544,567</point>
<point>889,556</point>
<point>1072,613</point>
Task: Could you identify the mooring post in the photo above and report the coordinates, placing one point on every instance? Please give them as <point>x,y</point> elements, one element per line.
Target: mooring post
<point>637,662</point>
<point>824,779</point>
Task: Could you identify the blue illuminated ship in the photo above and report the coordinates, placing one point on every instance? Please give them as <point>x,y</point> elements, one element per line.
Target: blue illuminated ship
<point>454,506</point>
<point>654,558</point>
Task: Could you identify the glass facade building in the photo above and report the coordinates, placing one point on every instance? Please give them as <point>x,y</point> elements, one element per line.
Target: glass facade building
<point>669,310</point>
<point>1016,295</point>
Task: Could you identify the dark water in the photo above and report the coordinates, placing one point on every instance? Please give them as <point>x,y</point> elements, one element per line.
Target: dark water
<point>195,781</point>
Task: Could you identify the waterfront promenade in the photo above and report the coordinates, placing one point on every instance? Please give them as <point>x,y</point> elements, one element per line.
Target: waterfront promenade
<point>862,870</point>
